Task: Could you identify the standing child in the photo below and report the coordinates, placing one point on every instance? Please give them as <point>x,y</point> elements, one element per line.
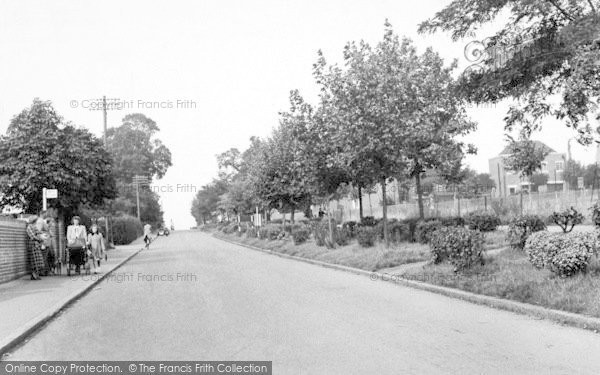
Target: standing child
<point>96,244</point>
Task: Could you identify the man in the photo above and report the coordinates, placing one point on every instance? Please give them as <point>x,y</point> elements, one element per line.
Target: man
<point>147,233</point>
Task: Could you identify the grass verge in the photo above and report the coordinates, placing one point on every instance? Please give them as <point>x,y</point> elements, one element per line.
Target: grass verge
<point>509,275</point>
<point>353,255</point>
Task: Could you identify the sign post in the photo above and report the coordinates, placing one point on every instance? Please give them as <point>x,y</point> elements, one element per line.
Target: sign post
<point>48,194</point>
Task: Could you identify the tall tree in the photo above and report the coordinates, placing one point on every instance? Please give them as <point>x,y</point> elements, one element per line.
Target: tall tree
<point>545,58</point>
<point>40,150</point>
<point>136,151</point>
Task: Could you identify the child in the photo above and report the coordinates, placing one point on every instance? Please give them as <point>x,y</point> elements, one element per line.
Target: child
<point>96,244</point>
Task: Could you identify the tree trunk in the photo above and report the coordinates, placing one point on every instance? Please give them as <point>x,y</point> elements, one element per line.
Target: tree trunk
<point>386,237</point>
<point>292,215</point>
<point>419,195</point>
<point>330,224</point>
<point>360,204</point>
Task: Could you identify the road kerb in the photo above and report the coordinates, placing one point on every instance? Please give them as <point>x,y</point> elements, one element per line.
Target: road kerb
<point>30,327</point>
<point>558,316</point>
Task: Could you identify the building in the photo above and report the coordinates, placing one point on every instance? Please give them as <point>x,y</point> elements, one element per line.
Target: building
<point>511,183</point>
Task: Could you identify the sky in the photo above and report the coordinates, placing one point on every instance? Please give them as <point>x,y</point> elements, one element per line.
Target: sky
<point>210,73</point>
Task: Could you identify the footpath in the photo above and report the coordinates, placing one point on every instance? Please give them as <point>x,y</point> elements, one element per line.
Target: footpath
<point>26,305</point>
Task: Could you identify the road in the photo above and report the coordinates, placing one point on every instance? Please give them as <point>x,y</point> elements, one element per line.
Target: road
<point>226,302</point>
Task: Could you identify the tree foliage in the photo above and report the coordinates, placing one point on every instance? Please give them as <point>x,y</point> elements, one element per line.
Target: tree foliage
<point>545,58</point>
<point>41,150</point>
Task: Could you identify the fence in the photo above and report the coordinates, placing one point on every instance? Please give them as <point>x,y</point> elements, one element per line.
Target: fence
<point>542,204</point>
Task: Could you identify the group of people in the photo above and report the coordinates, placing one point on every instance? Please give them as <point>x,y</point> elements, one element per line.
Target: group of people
<point>44,256</point>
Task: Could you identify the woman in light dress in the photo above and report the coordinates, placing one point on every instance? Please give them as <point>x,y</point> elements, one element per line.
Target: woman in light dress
<point>96,250</point>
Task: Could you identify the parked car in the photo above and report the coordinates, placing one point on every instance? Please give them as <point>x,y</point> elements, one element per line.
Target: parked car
<point>163,232</point>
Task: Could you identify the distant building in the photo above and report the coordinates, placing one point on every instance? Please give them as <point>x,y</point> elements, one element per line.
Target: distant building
<point>508,183</point>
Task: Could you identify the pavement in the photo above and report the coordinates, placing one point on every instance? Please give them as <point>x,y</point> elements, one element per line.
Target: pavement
<point>25,304</point>
<point>194,297</point>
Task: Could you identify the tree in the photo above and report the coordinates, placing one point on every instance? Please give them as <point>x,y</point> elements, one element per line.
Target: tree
<point>205,203</point>
<point>573,170</point>
<point>135,150</point>
<point>539,179</point>
<point>525,156</point>
<point>41,150</point>
<point>370,109</point>
<point>545,57</point>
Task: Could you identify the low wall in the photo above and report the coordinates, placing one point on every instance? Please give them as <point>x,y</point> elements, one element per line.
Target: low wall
<point>14,257</point>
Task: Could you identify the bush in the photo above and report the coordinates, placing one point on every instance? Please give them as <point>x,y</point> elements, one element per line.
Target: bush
<point>424,230</point>
<point>270,232</point>
<point>366,236</point>
<point>567,219</point>
<point>300,235</point>
<point>520,227</point>
<point>351,226</point>
<point>564,254</point>
<point>231,228</point>
<point>399,232</point>
<point>596,214</point>
<point>483,221</point>
<point>455,221</point>
<point>342,236</point>
<point>252,232</point>
<point>320,230</point>
<point>368,221</point>
<point>462,247</point>
<point>126,229</point>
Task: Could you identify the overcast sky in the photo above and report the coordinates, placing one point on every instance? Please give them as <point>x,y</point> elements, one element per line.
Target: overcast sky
<point>210,73</point>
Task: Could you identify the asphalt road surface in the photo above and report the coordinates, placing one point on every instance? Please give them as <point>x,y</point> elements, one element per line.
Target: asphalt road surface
<point>218,301</point>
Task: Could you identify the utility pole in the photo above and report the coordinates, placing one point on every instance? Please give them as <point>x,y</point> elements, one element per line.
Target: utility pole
<point>104,108</point>
<point>139,180</point>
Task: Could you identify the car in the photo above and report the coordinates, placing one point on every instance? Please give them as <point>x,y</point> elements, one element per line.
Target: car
<point>166,232</point>
<point>161,232</point>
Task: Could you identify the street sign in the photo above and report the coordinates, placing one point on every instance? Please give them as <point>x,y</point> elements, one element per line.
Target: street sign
<point>51,193</point>
<point>579,182</point>
<point>48,194</point>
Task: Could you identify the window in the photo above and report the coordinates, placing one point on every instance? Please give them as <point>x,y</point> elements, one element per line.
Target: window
<point>559,165</point>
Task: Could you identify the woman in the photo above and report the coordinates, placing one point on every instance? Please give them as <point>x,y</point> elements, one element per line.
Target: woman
<point>42,229</point>
<point>36,242</point>
<point>95,242</point>
<point>76,238</point>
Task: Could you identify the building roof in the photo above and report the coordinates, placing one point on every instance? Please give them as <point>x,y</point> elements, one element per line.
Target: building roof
<point>538,144</point>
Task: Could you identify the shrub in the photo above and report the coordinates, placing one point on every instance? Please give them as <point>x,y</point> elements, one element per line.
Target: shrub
<point>399,232</point>
<point>270,232</point>
<point>351,226</point>
<point>520,227</point>
<point>412,227</point>
<point>564,254</point>
<point>366,236</point>
<point>342,236</point>
<point>300,235</point>
<point>596,214</point>
<point>567,219</point>
<point>126,229</point>
<point>424,230</point>
<point>368,221</point>
<point>252,232</point>
<point>455,221</point>
<point>231,228</point>
<point>320,230</point>
<point>462,247</point>
<point>483,221</point>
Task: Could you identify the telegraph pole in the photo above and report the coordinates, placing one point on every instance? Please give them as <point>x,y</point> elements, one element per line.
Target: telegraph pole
<point>104,108</point>
<point>139,180</point>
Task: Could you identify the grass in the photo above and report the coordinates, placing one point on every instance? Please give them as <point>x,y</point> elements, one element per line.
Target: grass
<point>509,275</point>
<point>353,255</point>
